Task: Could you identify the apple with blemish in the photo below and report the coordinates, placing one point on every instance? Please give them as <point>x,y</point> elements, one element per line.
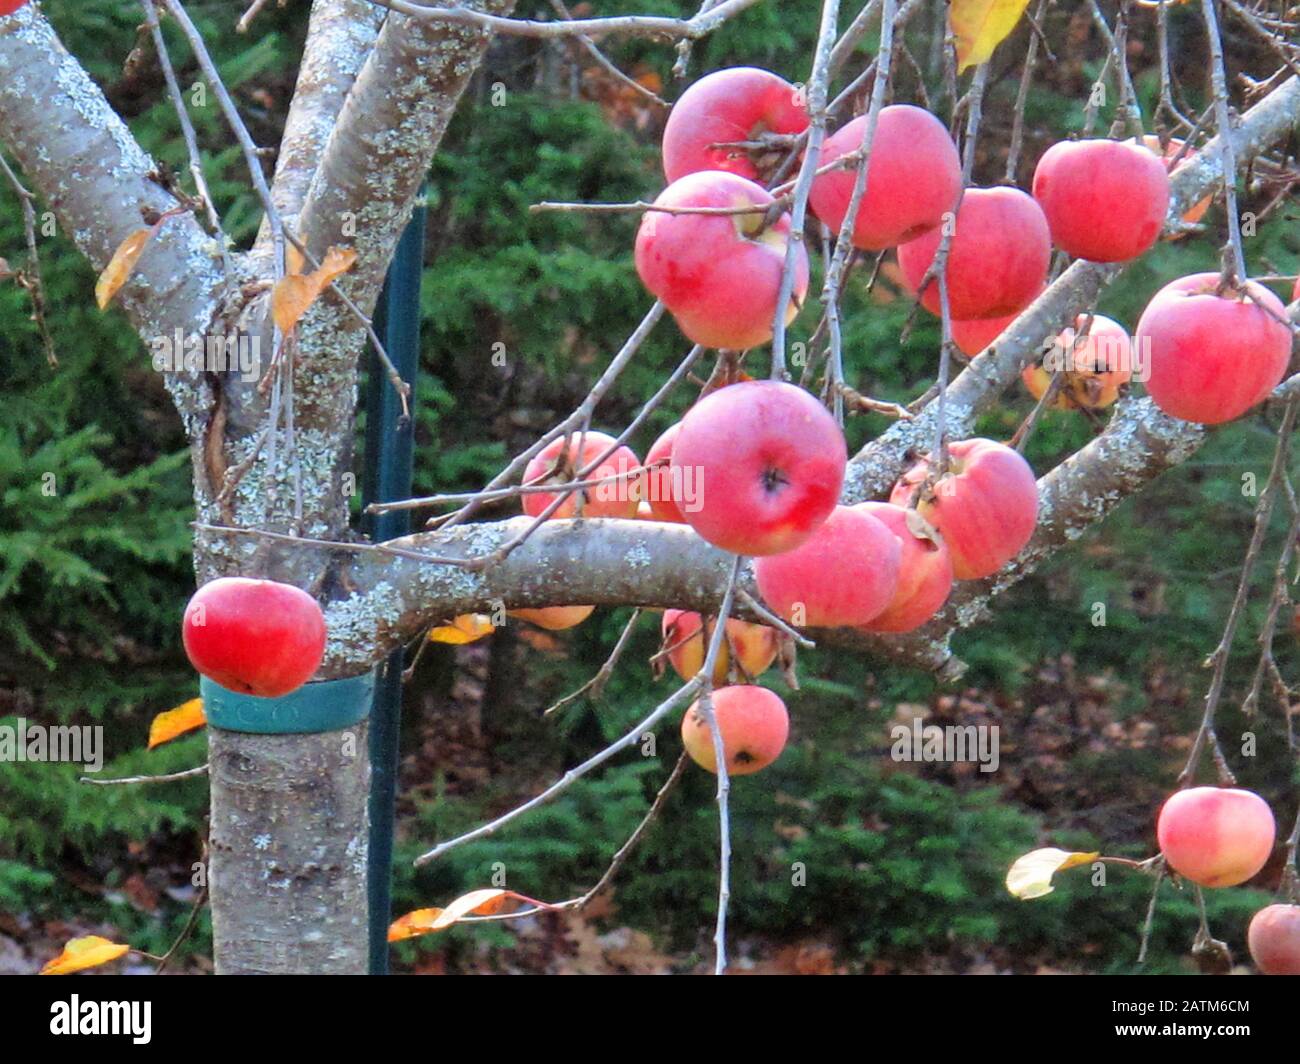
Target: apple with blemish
<point>751,647</point>
<point>257,637</point>
<point>844,574</point>
<point>1095,367</point>
<point>768,461</point>
<point>924,569</point>
<point>1274,940</point>
<point>753,723</point>
<point>985,506</point>
<point>719,274</point>
<point>913,178</point>
<point>1105,200</point>
<point>729,107</point>
<point>1216,836</point>
<point>997,259</point>
<point>1212,356</point>
<point>556,464</point>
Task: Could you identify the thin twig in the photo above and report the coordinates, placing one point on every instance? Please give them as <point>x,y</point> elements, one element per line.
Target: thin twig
<point>170,777</point>
<point>596,685</point>
<point>1218,660</point>
<point>818,81</point>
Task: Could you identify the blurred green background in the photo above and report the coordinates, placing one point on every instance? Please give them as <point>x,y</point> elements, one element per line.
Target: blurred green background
<point>904,864</point>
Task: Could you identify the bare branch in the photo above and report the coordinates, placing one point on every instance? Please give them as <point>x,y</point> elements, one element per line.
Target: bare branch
<point>630,25</point>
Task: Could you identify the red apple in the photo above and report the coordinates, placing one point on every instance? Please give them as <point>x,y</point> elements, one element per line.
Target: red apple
<point>755,646</point>
<point>257,637</point>
<point>554,618</point>
<point>913,178</point>
<point>719,274</point>
<point>1274,940</point>
<point>1095,368</point>
<point>616,499</point>
<point>728,107</point>
<point>662,494</point>
<point>1212,357</point>
<point>754,726</point>
<point>974,335</point>
<point>768,462</point>
<point>985,506</point>
<point>1216,836</point>
<point>998,259</point>
<point>8,7</point>
<point>924,569</point>
<point>845,574</point>
<point>1105,200</point>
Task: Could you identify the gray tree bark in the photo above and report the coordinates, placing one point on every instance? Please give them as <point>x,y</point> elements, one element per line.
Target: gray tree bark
<point>287,852</point>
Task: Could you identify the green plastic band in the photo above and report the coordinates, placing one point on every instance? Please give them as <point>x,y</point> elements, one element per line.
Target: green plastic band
<point>314,707</point>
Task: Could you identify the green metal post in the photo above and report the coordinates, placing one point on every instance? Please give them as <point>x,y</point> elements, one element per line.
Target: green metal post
<point>389,451</point>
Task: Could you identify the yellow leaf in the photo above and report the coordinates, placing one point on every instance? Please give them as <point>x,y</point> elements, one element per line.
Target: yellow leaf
<point>467,628</point>
<point>1031,875</point>
<point>475,903</point>
<point>184,718</point>
<point>83,953</point>
<point>419,922</point>
<point>335,264</point>
<point>121,266</point>
<point>294,294</point>
<point>290,300</point>
<point>981,25</point>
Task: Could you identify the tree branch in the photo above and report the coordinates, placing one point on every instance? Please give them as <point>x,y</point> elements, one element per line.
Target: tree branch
<point>670,29</point>
<point>386,135</point>
<point>82,160</point>
<point>340,37</point>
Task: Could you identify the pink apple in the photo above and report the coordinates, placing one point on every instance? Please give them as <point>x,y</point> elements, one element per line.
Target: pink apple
<point>755,646</point>
<point>1105,200</point>
<point>1274,940</point>
<point>754,725</point>
<point>1212,357</point>
<point>257,637</point>
<point>661,493</point>
<point>719,274</point>
<point>1216,836</point>
<point>924,569</point>
<point>975,334</point>
<point>998,259</point>
<point>618,498</point>
<point>913,178</point>
<point>985,506</point>
<point>728,107</point>
<point>845,574</point>
<point>768,462</point>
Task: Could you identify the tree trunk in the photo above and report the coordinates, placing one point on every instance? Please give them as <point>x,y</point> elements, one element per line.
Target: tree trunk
<point>287,852</point>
